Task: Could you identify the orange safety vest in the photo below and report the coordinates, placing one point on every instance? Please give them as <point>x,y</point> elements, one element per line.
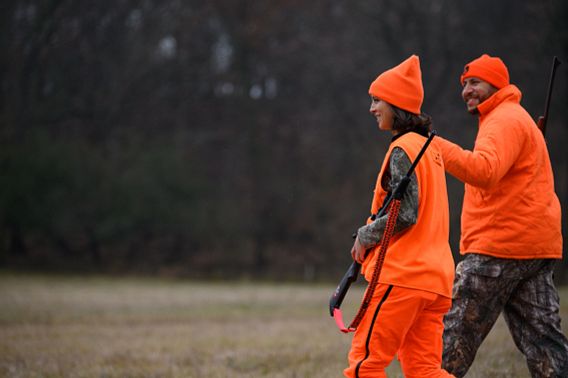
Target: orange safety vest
<point>510,209</point>
<point>420,256</point>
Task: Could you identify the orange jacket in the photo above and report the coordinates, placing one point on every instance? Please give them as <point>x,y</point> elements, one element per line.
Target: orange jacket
<point>420,256</point>
<point>510,209</point>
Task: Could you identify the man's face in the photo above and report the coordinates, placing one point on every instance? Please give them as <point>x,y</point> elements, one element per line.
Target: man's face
<point>475,91</point>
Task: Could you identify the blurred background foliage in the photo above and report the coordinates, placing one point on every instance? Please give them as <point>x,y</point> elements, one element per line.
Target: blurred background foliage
<point>231,139</point>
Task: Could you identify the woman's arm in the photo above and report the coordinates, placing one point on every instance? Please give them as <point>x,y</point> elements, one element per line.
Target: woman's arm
<point>370,235</point>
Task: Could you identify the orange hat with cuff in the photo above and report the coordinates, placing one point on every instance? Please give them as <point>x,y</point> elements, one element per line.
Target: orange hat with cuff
<point>487,68</point>
<point>401,86</point>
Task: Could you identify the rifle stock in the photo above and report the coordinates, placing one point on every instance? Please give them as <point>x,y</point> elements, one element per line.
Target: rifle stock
<point>339,294</point>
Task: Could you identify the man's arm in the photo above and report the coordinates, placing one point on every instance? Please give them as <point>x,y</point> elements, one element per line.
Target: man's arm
<point>371,234</point>
<point>496,148</point>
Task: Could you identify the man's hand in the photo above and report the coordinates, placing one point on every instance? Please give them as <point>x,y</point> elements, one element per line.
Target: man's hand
<point>358,251</point>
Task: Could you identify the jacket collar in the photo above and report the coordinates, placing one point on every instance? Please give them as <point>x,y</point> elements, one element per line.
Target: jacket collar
<point>508,93</point>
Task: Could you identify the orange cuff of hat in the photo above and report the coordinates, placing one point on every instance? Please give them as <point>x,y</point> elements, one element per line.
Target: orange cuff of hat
<point>489,69</point>
<point>401,86</point>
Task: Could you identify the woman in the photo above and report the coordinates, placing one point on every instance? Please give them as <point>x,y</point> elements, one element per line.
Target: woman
<point>405,315</point>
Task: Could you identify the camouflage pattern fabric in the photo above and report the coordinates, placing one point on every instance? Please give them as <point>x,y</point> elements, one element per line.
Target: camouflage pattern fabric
<point>399,163</point>
<point>524,291</point>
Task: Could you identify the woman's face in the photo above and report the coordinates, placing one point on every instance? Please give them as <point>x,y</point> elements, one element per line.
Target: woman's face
<point>383,113</point>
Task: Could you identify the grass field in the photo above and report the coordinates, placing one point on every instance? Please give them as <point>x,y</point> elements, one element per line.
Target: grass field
<point>110,327</point>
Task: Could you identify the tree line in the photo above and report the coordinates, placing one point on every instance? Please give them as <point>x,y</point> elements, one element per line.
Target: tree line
<point>231,139</point>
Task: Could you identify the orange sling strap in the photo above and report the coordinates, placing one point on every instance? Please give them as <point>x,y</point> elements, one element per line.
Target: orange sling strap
<point>387,234</point>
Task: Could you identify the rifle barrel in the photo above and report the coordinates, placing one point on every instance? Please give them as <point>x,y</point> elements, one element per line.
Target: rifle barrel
<point>542,120</point>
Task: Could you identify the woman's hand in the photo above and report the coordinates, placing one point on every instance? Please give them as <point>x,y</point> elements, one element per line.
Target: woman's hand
<point>358,251</point>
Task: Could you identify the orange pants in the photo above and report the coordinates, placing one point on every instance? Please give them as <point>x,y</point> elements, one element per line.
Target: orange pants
<point>404,321</point>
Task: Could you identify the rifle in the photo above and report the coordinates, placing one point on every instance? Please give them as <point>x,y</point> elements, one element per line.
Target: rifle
<point>541,123</point>
<point>353,271</point>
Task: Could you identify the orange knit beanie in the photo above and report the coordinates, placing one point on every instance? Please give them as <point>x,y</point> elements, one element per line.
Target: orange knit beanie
<point>489,69</point>
<point>401,86</point>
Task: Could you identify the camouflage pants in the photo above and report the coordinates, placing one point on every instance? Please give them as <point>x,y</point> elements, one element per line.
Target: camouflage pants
<point>524,291</point>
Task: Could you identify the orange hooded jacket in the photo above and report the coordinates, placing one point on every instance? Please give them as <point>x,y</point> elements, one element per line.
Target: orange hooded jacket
<point>510,209</point>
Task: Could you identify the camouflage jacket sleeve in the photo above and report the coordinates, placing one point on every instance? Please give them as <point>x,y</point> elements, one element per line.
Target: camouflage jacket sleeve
<point>370,235</point>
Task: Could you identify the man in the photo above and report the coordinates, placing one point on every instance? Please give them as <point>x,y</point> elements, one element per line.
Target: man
<point>510,235</point>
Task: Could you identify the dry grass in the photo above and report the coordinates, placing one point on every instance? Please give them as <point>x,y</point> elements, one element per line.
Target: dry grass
<point>102,327</point>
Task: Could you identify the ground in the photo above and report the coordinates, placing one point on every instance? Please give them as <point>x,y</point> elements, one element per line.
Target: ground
<point>54,326</point>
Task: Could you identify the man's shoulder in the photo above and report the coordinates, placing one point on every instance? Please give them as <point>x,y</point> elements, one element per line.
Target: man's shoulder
<point>509,106</point>
<point>511,113</point>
